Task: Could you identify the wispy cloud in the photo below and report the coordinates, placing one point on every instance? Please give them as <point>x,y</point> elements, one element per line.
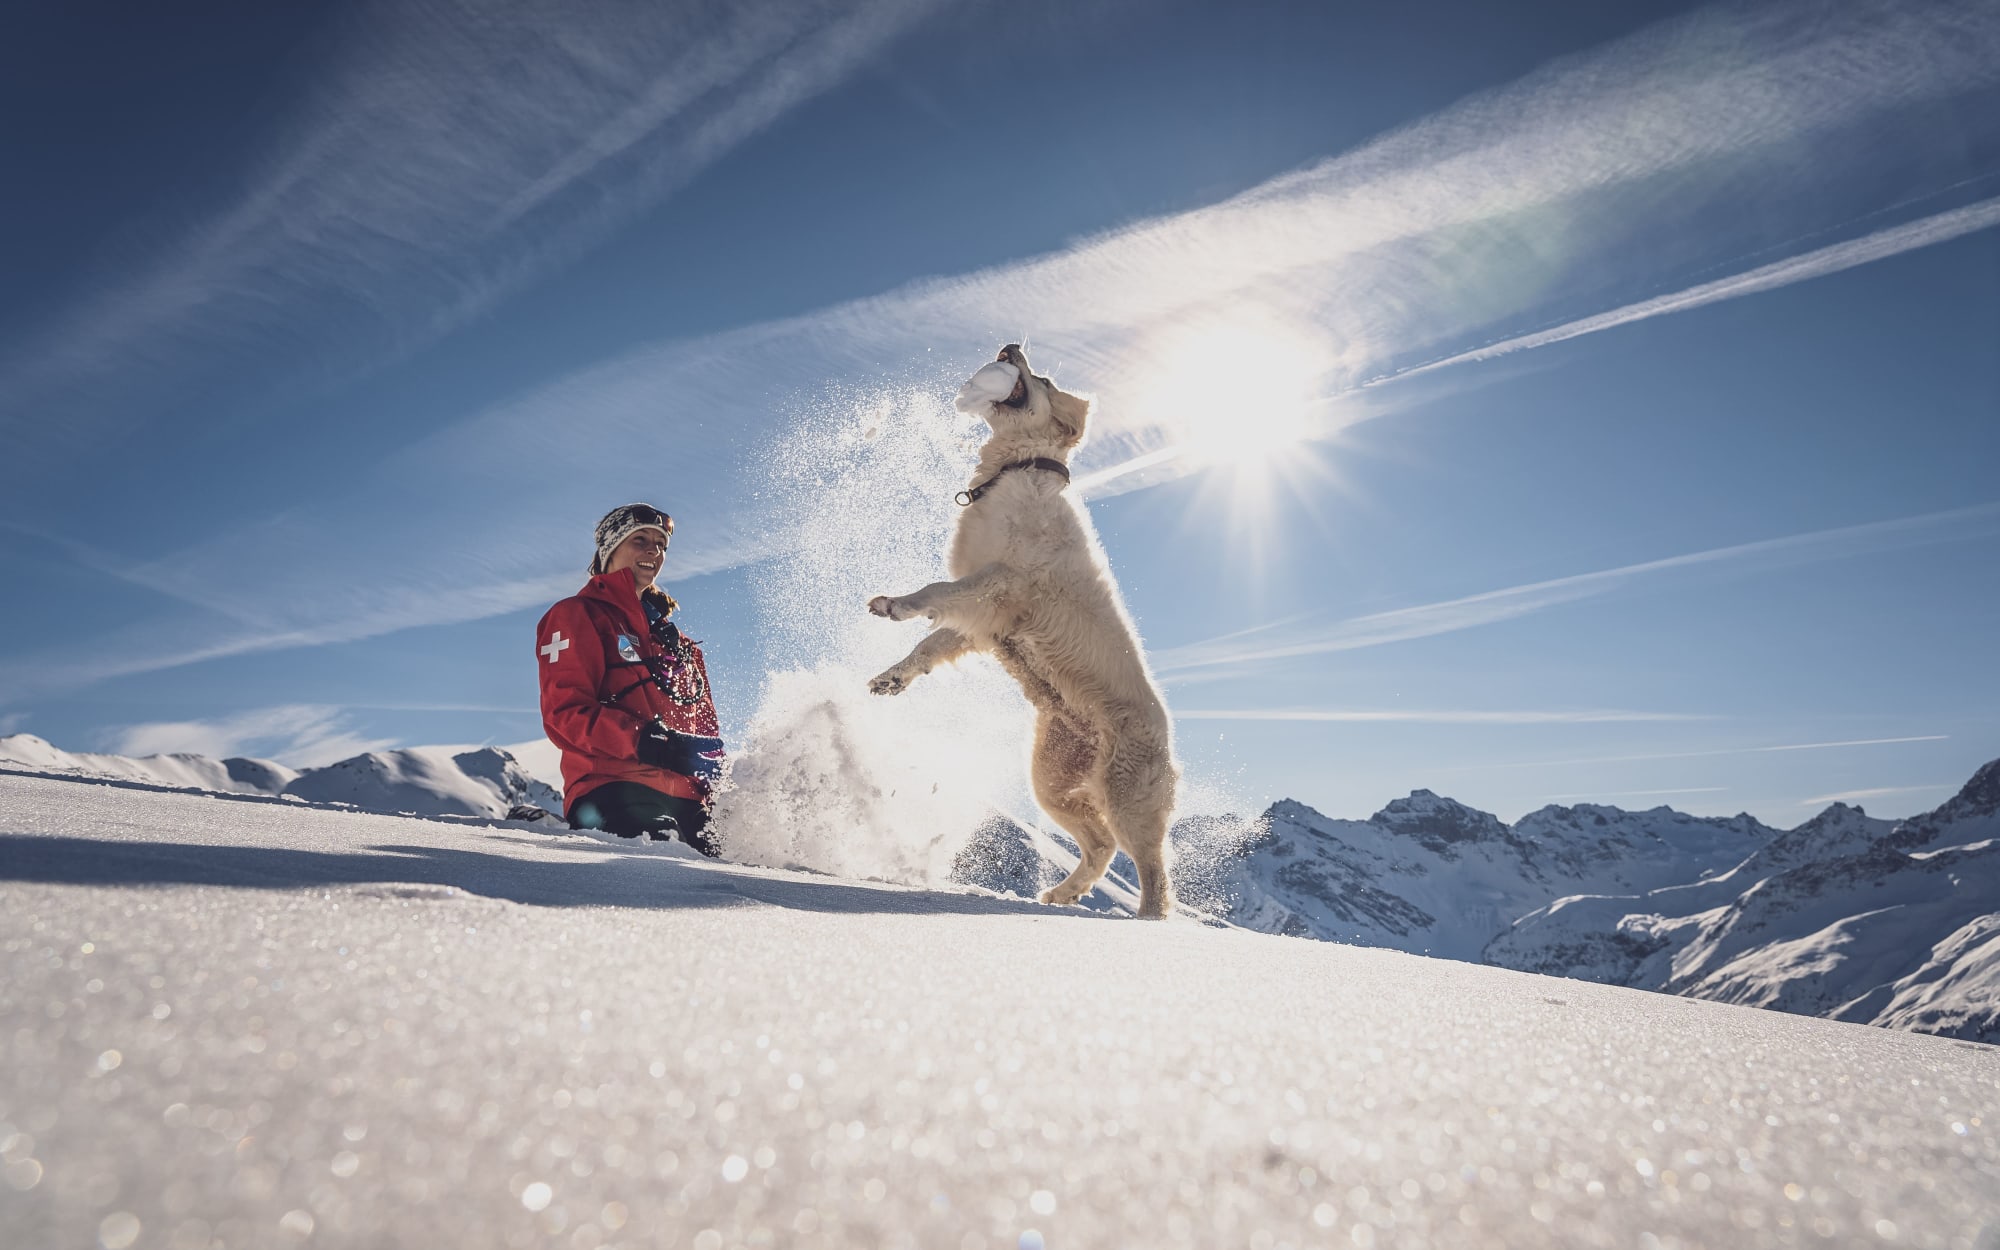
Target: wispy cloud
<point>1939,228</point>
<point>1708,754</point>
<point>1638,794</point>
<point>1855,796</point>
<point>299,734</point>
<point>446,154</point>
<point>1571,189</point>
<point>1436,717</point>
<point>1493,606</point>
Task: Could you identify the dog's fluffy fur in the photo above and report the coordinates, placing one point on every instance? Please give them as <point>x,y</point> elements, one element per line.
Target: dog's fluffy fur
<point>1033,589</point>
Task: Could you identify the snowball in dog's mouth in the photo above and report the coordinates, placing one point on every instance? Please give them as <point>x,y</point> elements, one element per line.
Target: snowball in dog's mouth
<point>997,383</point>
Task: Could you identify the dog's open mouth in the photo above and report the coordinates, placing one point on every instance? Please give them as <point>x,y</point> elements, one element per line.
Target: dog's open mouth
<point>1019,395</point>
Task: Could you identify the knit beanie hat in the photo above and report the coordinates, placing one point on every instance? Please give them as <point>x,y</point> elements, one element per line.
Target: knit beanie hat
<point>620,524</point>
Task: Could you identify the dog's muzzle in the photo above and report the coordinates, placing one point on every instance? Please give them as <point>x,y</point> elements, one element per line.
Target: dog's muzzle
<point>1011,354</point>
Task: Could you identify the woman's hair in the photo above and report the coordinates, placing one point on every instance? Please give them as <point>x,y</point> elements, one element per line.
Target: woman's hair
<point>668,604</point>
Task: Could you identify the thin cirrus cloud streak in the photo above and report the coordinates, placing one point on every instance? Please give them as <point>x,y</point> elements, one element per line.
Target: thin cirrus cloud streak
<point>446,155</point>
<point>1938,228</point>
<point>1494,606</point>
<point>1568,187</point>
<point>1148,467</point>
<point>1636,794</point>
<point>1877,793</point>
<point>303,733</point>
<point>1708,754</point>
<point>1438,717</point>
<point>1850,796</point>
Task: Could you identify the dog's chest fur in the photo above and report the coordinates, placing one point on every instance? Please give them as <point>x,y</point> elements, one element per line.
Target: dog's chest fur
<point>1025,523</point>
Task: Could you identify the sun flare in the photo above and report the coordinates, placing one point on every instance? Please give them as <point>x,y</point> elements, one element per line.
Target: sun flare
<point>1235,392</point>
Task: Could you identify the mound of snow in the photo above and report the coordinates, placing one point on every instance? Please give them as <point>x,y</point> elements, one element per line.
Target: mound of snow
<point>427,781</point>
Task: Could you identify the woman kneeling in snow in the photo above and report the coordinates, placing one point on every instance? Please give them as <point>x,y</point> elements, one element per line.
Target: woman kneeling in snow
<point>625,695</point>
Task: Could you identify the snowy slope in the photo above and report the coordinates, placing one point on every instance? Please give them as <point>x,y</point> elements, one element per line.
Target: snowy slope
<point>423,781</point>
<point>1845,916</point>
<point>243,776</point>
<point>1428,874</point>
<point>241,1021</point>
<point>541,759</point>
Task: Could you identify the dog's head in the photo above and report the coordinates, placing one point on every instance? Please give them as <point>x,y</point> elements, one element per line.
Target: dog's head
<point>1037,410</point>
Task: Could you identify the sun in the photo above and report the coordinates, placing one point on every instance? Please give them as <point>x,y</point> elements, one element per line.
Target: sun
<point>1241,399</point>
<point>1235,391</point>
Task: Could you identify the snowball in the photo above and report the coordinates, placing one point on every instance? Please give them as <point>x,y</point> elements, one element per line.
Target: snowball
<point>990,385</point>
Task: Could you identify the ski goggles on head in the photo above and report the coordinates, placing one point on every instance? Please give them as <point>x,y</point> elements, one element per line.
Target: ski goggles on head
<point>642,514</point>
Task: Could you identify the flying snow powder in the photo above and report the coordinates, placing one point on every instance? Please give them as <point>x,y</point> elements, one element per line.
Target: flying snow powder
<point>834,779</point>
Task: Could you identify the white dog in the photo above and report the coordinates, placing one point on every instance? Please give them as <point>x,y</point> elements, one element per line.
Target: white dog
<point>1033,589</point>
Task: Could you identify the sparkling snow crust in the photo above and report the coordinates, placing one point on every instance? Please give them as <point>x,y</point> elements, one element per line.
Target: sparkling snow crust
<point>243,1022</point>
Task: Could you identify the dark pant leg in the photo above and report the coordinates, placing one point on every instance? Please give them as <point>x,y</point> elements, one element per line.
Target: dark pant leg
<point>629,810</point>
<point>693,820</point>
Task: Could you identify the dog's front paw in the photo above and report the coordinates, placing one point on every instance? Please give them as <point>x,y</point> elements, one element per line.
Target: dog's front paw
<point>890,606</point>
<point>1059,897</point>
<point>890,682</point>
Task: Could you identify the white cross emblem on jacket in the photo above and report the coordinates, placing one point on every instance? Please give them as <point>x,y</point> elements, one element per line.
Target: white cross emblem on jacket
<point>555,646</point>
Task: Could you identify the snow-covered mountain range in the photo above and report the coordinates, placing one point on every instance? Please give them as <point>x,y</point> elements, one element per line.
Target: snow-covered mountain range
<point>1845,916</point>
<point>1429,875</point>
<point>422,781</point>
<point>1848,916</point>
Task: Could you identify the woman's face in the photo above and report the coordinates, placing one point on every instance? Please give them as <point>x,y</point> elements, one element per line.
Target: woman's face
<point>642,552</point>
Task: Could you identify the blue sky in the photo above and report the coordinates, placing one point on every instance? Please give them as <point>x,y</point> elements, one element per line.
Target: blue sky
<point>1534,403</point>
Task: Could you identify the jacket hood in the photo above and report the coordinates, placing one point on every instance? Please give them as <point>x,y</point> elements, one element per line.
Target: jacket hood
<point>618,591</point>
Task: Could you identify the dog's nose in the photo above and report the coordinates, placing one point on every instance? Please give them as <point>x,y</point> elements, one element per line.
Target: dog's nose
<point>1012,349</point>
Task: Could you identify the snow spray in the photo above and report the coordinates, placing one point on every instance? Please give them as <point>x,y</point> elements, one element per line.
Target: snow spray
<point>833,778</point>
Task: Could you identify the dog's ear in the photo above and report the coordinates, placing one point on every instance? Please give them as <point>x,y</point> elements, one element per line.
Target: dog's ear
<point>1070,412</point>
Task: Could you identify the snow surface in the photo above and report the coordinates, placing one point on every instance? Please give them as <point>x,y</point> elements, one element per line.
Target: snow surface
<point>245,1022</point>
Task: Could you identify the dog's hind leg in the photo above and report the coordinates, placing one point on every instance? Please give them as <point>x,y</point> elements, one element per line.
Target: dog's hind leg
<point>1064,757</point>
<point>938,647</point>
<point>1094,839</point>
<point>1139,782</point>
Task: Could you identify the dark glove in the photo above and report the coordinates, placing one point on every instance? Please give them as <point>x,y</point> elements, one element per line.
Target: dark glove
<point>690,755</point>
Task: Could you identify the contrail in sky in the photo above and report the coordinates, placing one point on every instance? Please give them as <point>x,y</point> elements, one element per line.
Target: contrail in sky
<point>1694,755</point>
<point>1439,717</point>
<point>1493,606</point>
<point>449,153</point>
<point>1939,228</point>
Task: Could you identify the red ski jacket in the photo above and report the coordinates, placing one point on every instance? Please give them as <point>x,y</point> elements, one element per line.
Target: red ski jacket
<point>604,676</point>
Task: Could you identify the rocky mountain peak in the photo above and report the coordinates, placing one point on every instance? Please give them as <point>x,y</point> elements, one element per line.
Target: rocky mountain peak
<point>1438,822</point>
<point>1979,797</point>
<point>1971,814</point>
